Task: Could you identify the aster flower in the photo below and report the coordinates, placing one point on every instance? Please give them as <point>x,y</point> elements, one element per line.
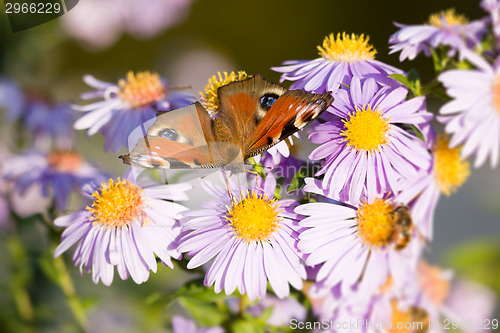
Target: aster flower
<point>493,7</point>
<point>50,123</point>
<point>283,310</point>
<point>126,105</point>
<point>472,117</point>
<point>342,58</point>
<point>12,99</point>
<point>366,151</point>
<point>125,226</point>
<point>57,173</point>
<point>182,325</point>
<point>99,23</point>
<point>446,174</point>
<point>250,236</point>
<point>358,247</point>
<point>443,29</point>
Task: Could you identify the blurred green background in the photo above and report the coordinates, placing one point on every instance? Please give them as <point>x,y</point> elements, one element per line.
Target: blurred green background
<point>220,35</point>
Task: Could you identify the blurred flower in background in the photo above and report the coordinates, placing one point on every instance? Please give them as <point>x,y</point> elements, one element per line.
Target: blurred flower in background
<point>446,28</point>
<point>58,173</point>
<point>127,105</point>
<point>99,23</point>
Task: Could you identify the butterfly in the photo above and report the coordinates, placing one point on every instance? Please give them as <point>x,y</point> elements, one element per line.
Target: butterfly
<point>253,116</point>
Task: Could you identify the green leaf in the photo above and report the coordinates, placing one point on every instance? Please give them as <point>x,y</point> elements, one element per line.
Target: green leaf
<point>478,260</point>
<point>204,313</point>
<point>246,326</point>
<point>297,181</point>
<point>417,132</point>
<point>401,79</point>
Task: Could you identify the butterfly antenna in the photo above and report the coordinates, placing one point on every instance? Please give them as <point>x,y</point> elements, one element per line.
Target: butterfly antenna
<point>226,178</point>
<point>258,177</point>
<point>180,87</point>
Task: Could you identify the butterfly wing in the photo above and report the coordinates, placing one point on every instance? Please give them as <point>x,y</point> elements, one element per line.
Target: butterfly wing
<point>243,105</point>
<point>183,138</point>
<point>261,113</point>
<point>291,112</point>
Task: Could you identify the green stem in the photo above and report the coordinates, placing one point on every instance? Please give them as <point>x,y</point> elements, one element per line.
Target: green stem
<point>18,282</point>
<point>66,283</point>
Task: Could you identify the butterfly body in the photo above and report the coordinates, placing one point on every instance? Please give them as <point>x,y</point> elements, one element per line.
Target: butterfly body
<point>253,116</point>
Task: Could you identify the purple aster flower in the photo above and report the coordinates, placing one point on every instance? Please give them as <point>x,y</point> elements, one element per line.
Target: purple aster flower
<point>470,300</point>
<point>445,28</point>
<point>283,310</point>
<point>12,99</point>
<point>57,173</point>
<point>182,325</point>
<point>367,151</point>
<point>445,175</point>
<point>99,23</point>
<point>341,59</point>
<point>493,7</point>
<point>473,116</point>
<point>51,123</point>
<point>125,226</point>
<point>251,238</point>
<point>358,247</point>
<point>126,106</point>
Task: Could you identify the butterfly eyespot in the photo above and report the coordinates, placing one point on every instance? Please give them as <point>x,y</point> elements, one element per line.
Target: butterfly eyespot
<point>268,100</point>
<point>169,133</point>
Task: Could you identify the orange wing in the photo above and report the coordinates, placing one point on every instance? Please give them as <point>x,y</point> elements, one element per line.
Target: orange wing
<point>182,138</point>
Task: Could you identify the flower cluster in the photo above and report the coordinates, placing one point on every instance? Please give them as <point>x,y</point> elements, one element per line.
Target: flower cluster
<point>347,241</point>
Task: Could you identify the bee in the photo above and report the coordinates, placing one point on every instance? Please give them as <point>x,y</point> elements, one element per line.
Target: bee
<point>420,317</point>
<point>403,225</point>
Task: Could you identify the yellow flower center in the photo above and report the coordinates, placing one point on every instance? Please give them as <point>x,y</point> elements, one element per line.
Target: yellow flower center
<point>375,222</point>
<point>435,285</point>
<point>347,48</point>
<point>255,218</point>
<point>450,170</point>
<point>366,129</point>
<point>117,203</point>
<point>210,99</point>
<point>414,320</point>
<point>64,161</point>
<point>496,94</point>
<point>449,17</point>
<point>141,89</point>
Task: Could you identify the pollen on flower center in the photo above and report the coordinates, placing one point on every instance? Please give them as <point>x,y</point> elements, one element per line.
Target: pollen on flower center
<point>413,320</point>
<point>447,18</point>
<point>255,218</point>
<point>375,222</point>
<point>116,203</point>
<point>141,89</point>
<point>366,129</point>
<point>210,99</point>
<point>346,48</point>
<point>64,161</point>
<point>450,170</point>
